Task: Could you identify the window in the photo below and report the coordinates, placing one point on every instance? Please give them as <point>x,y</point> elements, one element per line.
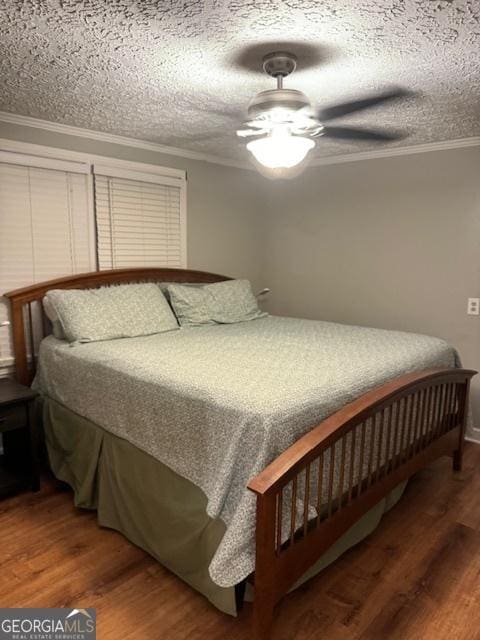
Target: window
<point>52,204</point>
<point>46,226</point>
<point>140,219</point>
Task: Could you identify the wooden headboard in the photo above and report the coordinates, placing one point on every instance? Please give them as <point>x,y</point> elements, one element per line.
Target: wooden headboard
<point>23,302</point>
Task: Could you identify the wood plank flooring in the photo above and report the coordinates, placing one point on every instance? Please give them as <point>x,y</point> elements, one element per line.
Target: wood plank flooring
<point>417,577</point>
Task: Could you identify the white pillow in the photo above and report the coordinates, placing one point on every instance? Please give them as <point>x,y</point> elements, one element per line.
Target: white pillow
<point>219,303</point>
<point>122,311</point>
<point>51,314</point>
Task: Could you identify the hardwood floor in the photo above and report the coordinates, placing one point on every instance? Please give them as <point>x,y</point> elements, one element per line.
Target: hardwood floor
<point>416,577</point>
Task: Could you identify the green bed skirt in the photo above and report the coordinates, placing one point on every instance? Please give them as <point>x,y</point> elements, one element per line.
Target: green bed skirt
<point>154,507</point>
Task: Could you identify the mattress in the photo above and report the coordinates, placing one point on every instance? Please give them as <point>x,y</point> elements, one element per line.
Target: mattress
<point>217,403</point>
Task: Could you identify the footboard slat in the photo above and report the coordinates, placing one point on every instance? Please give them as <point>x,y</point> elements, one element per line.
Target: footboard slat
<point>293,510</point>
<point>378,461</point>
<point>439,413</point>
<point>360,453</point>
<point>331,480</point>
<point>353,441</point>
<point>448,407</point>
<point>321,463</point>
<point>279,520</point>
<point>419,422</point>
<point>413,407</point>
<point>401,429</point>
<point>306,499</point>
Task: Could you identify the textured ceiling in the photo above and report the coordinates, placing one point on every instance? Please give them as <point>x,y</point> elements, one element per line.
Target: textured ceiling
<point>173,72</point>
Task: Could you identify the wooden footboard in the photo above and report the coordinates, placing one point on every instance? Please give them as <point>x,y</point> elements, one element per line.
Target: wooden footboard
<point>317,489</point>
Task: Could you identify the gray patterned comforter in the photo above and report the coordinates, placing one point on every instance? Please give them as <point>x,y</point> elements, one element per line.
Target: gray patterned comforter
<point>218,403</point>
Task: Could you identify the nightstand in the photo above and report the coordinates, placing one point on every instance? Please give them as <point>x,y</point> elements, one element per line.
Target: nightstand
<point>19,459</point>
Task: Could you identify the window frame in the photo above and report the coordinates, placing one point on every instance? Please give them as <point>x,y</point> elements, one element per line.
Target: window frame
<point>46,157</point>
<point>156,175</point>
<point>56,156</point>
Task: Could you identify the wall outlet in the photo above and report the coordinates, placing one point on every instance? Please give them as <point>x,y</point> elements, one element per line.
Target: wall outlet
<point>473,307</point>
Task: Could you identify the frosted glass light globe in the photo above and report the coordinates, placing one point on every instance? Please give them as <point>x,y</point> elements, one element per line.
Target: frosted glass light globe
<point>280,149</point>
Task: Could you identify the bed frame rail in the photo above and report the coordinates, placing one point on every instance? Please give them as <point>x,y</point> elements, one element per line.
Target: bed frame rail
<point>313,492</point>
<point>316,490</point>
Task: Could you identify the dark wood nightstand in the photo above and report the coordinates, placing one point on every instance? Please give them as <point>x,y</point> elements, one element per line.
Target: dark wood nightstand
<point>19,459</point>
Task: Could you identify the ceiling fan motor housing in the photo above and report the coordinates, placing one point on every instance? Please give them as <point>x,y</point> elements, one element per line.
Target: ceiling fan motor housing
<point>265,101</point>
<point>290,111</point>
<point>279,63</point>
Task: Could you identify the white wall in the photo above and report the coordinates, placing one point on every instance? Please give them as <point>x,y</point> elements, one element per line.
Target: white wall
<point>392,243</point>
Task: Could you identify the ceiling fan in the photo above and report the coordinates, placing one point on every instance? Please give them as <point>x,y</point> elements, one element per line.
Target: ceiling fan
<point>284,124</point>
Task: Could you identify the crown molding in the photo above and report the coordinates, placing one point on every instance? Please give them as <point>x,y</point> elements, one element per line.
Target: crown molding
<point>443,145</point>
<point>27,121</point>
<point>56,127</point>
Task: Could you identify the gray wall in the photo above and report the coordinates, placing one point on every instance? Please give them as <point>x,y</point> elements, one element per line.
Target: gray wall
<point>392,243</point>
<point>223,206</point>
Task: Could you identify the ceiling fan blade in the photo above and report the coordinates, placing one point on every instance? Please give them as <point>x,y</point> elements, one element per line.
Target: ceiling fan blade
<point>256,124</point>
<point>245,133</point>
<point>350,133</point>
<point>345,108</point>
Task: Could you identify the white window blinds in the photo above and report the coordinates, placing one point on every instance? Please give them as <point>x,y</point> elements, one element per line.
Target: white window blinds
<point>140,219</point>
<point>46,228</point>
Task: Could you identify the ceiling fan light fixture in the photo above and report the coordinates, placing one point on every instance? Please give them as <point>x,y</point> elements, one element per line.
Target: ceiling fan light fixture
<point>284,123</point>
<point>280,150</point>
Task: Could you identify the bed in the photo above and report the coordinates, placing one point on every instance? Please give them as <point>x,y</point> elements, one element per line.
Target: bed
<point>273,441</point>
